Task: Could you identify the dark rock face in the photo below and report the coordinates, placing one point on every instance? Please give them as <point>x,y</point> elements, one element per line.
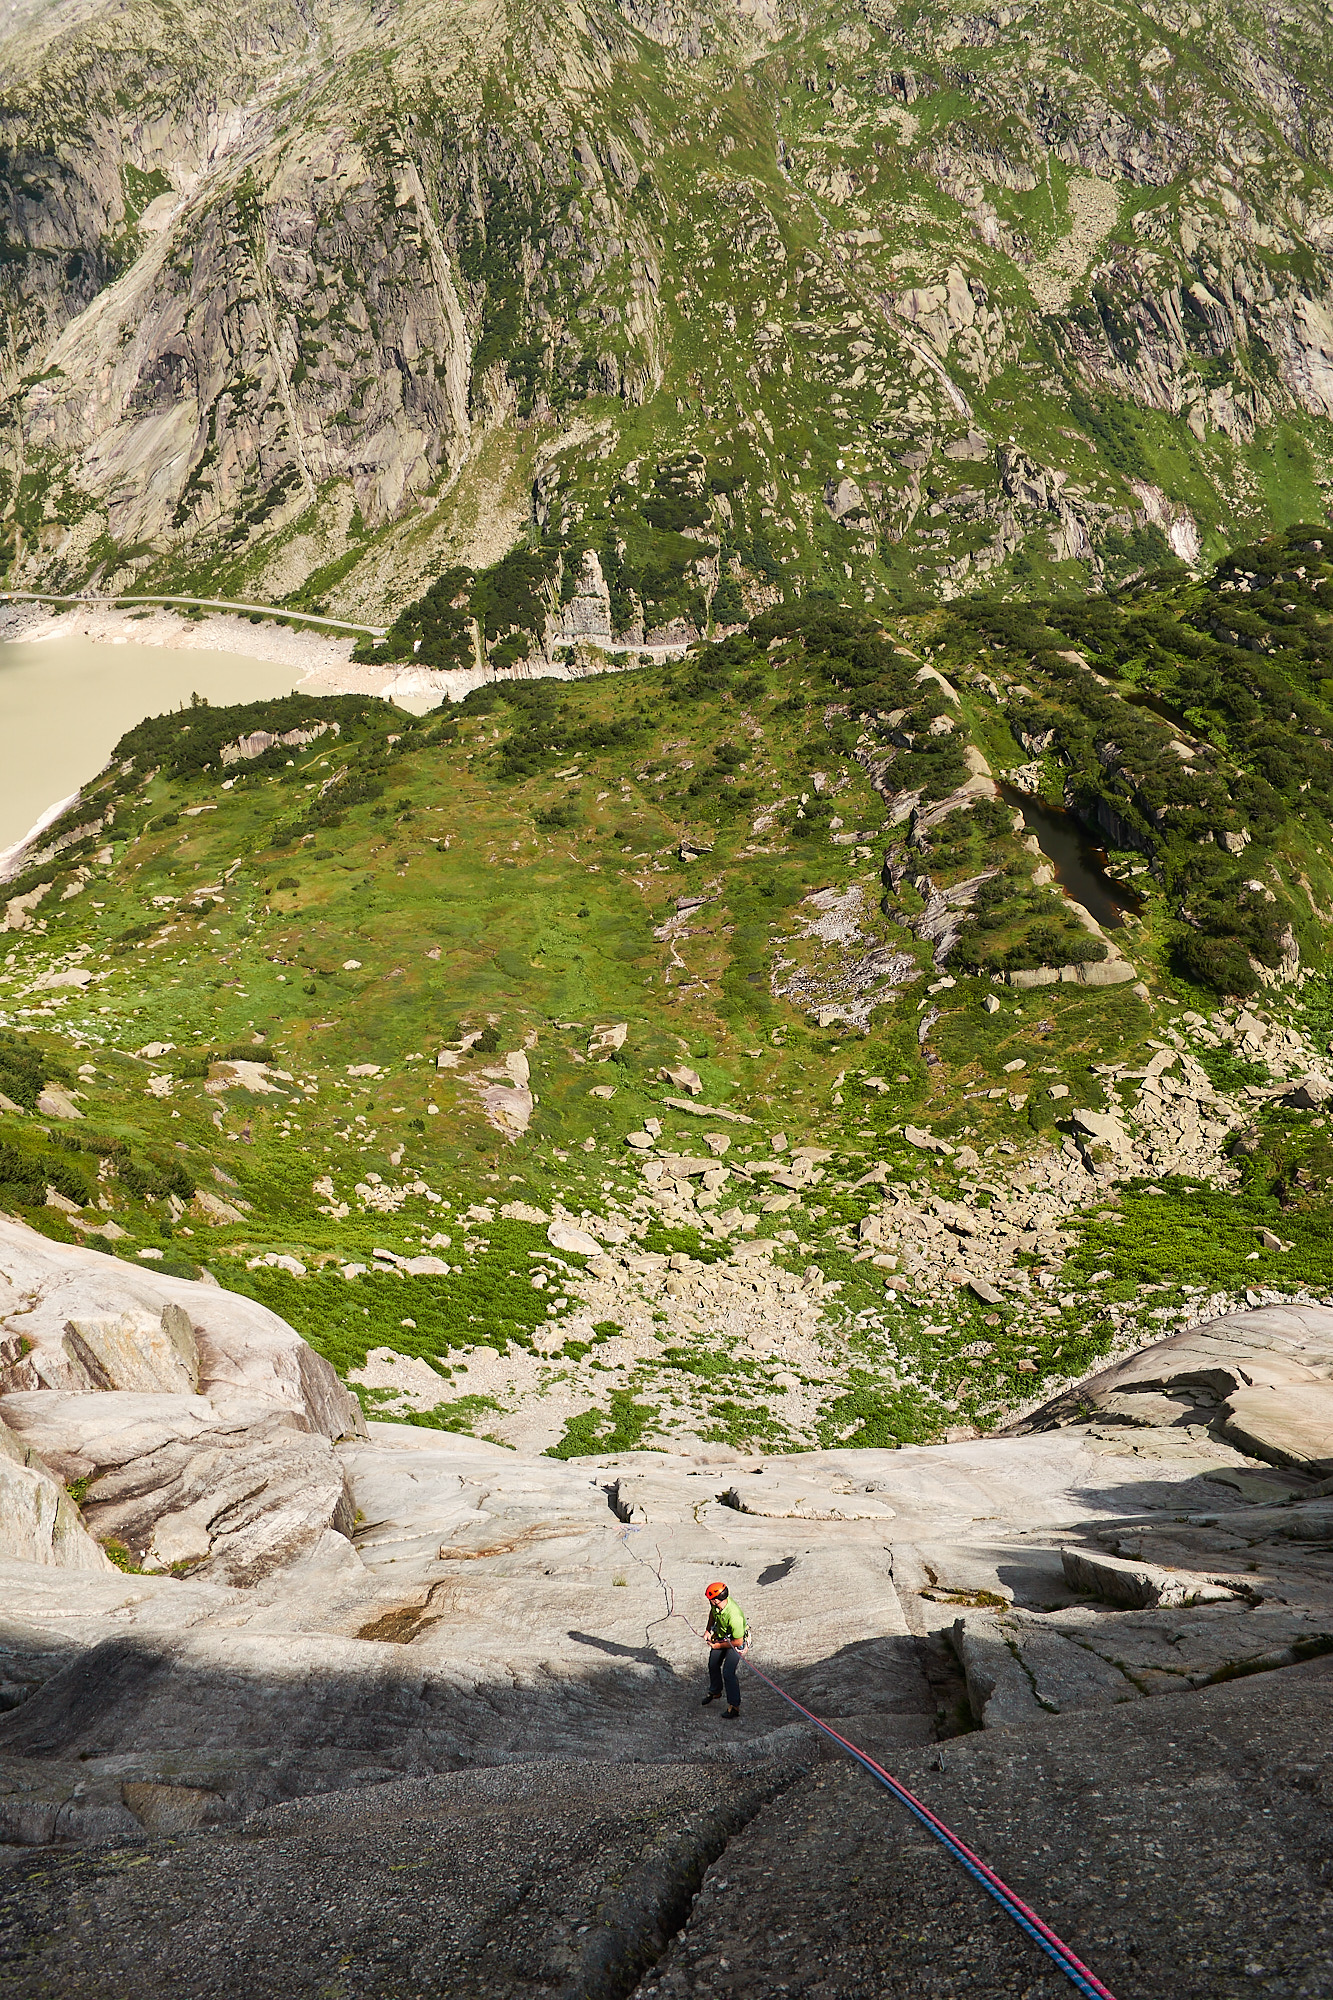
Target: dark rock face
<point>1178,1848</point>
<point>555,1879</point>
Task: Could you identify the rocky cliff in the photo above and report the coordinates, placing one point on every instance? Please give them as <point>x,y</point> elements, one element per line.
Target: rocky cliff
<point>302,307</point>
<point>483,1655</point>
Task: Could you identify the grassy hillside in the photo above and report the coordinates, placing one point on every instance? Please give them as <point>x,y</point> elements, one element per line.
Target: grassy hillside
<point>780,864</point>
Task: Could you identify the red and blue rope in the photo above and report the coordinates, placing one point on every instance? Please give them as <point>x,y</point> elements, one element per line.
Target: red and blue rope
<point>1068,1962</point>
<point>1075,1971</point>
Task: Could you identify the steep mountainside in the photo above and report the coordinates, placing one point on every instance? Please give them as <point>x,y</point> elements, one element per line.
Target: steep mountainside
<point>707,1050</point>
<point>302,305</point>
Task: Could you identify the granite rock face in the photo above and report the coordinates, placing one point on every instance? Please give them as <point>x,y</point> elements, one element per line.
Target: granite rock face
<point>311,1633</point>
<point>204,1421</point>
<point>1179,1848</point>
<point>77,1321</point>
<point>565,1880</point>
<point>304,285</point>
<point>1264,1378</point>
<point>39,1522</point>
<point>238,1502</point>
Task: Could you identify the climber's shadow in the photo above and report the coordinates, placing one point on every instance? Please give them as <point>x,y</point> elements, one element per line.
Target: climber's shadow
<point>647,1656</point>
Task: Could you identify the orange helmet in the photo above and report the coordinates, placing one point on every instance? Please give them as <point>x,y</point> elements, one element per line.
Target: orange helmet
<point>716,1592</point>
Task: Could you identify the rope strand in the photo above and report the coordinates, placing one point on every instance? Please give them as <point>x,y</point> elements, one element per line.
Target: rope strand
<point>1066,1960</point>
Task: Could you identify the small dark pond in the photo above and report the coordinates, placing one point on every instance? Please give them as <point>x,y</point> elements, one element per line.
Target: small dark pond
<point>1079,863</point>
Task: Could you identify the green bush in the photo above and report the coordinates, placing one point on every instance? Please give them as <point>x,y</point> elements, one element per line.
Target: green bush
<point>154,1180</point>
<point>593,1434</point>
<point>564,815</point>
<point>1219,963</point>
<point>25,1177</point>
<point>22,1070</point>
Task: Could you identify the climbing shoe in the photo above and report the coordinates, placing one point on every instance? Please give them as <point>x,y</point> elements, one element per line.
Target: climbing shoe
<point>709,1699</point>
<point>731,1715</point>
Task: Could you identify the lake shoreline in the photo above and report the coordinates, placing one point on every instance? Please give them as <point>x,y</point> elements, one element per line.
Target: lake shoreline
<point>324,661</point>
<point>218,632</point>
<point>73,678</point>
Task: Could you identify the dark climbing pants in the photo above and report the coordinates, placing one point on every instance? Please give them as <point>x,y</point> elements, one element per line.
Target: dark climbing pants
<point>722,1671</point>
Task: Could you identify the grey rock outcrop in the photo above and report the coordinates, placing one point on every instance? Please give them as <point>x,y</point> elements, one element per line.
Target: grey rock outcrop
<point>1137,1586</point>
<point>239,1502</point>
<point>587,615</point>
<point>87,1322</point>
<point>1288,1423</point>
<point>39,1522</point>
<point>1262,1378</point>
<point>348,1616</point>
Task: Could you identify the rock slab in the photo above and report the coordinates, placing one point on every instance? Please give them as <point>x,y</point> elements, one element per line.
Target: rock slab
<point>1178,1853</point>
<point>560,1879</point>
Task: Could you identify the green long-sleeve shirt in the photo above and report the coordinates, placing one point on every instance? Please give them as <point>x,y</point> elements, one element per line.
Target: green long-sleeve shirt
<point>727,1621</point>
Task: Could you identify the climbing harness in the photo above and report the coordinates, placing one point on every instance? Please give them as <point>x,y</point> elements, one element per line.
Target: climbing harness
<point>1075,1971</point>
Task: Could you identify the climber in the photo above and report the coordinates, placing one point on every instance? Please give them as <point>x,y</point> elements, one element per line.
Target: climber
<point>727,1632</point>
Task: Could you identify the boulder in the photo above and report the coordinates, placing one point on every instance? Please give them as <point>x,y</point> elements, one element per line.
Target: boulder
<point>214,1210</point>
<point>39,1522</point>
<point>1102,972</point>
<point>524,1211</point>
<point>238,1502</point>
<point>133,1328</point>
<point>707,1110</point>
<point>926,1142</point>
<point>684,1078</point>
<point>843,497</point>
<point>1272,1346</point>
<point>1309,1093</point>
<point>1137,1585</point>
<point>1104,1129</point>
<point>565,1236</point>
<point>56,1103</point>
<point>1284,1423</point>
<point>507,1101</point>
<point>683,1166</point>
